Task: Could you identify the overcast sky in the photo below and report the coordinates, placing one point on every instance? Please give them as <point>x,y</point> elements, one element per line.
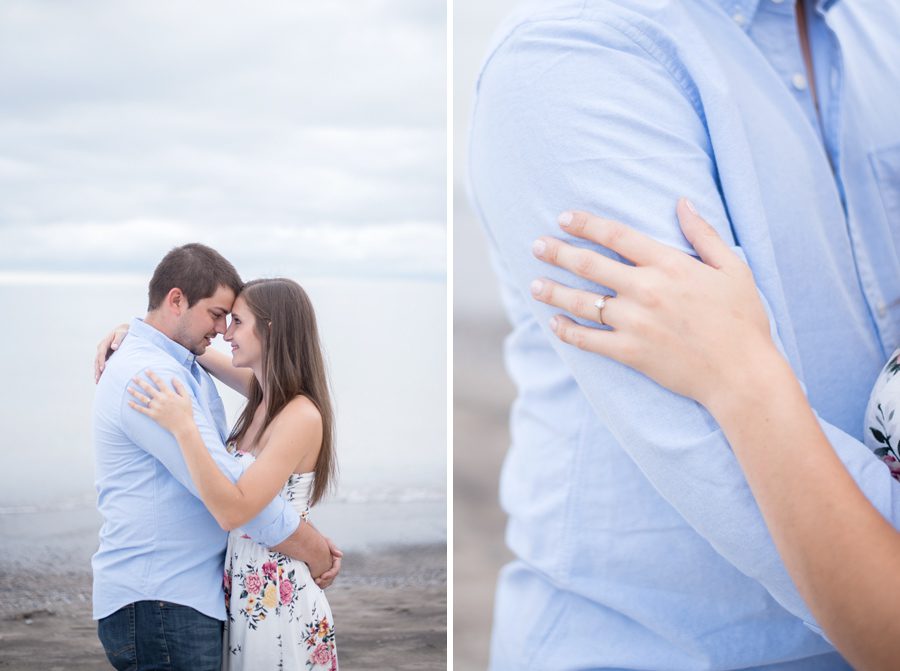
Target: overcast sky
<point>283,133</point>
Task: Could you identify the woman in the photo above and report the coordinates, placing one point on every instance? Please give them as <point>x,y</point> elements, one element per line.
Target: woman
<point>277,616</point>
<point>675,320</point>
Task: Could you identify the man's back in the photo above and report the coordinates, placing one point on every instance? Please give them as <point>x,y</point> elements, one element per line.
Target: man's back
<point>639,543</point>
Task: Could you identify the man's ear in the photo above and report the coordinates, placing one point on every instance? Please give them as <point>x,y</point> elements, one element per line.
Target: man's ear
<point>176,300</point>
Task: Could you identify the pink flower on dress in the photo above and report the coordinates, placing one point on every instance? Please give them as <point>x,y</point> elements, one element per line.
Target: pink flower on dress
<point>287,591</point>
<point>252,583</point>
<point>892,464</point>
<point>321,655</point>
<point>226,579</point>
<point>269,569</point>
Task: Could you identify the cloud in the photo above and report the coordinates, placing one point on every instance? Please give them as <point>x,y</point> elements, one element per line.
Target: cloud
<point>128,127</point>
<point>404,249</point>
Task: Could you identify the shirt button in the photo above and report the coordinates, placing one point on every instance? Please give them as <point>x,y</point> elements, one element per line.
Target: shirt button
<point>777,2</point>
<point>882,310</point>
<point>739,19</point>
<point>798,81</point>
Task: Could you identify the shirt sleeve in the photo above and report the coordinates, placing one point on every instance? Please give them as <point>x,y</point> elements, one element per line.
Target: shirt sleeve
<point>572,114</point>
<point>271,526</point>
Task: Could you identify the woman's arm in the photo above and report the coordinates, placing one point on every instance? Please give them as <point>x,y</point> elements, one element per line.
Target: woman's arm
<point>296,434</point>
<point>216,363</point>
<point>835,545</point>
<point>701,330</point>
<point>219,366</point>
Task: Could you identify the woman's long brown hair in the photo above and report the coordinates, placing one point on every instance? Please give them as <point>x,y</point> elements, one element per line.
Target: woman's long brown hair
<point>293,365</point>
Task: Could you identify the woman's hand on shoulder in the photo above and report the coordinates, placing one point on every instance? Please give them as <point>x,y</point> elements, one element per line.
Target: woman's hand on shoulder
<point>105,348</point>
<point>692,326</point>
<point>172,409</point>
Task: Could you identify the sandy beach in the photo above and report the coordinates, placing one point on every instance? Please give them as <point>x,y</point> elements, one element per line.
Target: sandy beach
<point>389,607</point>
<point>389,603</point>
<point>482,394</point>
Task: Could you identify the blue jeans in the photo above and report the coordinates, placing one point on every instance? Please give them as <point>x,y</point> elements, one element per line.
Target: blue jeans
<point>161,636</point>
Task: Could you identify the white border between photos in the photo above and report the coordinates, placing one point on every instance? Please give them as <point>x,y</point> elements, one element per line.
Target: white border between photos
<point>449,374</point>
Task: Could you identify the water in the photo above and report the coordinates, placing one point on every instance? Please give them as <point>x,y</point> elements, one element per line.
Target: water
<point>385,342</point>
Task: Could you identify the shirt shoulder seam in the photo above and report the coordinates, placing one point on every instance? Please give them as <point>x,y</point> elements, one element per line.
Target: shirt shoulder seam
<point>576,16</point>
<point>629,30</point>
<point>644,41</point>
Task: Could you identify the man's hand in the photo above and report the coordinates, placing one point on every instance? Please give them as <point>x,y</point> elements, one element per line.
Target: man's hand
<point>328,577</point>
<point>109,344</point>
<point>308,545</point>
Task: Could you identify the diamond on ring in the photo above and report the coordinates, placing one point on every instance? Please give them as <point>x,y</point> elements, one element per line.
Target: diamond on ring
<point>600,303</point>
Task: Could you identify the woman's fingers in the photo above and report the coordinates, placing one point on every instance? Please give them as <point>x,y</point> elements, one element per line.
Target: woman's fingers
<point>179,388</point>
<point>712,249</point>
<point>592,340</point>
<point>138,395</point>
<point>623,240</point>
<point>140,408</point>
<point>585,263</point>
<point>575,301</point>
<point>118,336</point>
<point>146,386</point>
<point>157,380</point>
<point>106,347</point>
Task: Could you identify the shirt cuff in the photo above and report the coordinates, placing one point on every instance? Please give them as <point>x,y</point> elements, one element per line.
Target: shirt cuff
<point>277,528</point>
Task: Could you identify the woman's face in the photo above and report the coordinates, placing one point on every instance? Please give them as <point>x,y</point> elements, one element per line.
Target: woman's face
<point>246,347</point>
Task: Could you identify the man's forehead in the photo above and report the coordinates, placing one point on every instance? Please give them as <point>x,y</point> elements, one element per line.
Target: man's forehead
<point>223,299</point>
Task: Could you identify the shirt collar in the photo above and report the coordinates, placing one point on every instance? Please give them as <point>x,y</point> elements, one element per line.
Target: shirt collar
<point>744,11</point>
<point>180,353</point>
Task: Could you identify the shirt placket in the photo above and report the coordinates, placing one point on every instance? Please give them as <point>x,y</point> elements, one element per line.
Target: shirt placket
<point>207,399</point>
<point>775,32</point>
<point>828,49</point>
<point>775,25</point>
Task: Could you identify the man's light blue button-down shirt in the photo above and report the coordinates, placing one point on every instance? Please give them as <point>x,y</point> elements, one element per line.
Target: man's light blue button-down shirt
<point>158,541</point>
<point>639,544</point>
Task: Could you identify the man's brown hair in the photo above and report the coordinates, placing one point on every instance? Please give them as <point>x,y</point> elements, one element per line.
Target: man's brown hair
<point>197,270</point>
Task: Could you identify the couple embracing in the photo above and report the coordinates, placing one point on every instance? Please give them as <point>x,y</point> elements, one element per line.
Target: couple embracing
<point>185,501</point>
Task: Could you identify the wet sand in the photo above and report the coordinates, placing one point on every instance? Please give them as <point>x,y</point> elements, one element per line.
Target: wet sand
<point>389,607</point>
<point>482,394</point>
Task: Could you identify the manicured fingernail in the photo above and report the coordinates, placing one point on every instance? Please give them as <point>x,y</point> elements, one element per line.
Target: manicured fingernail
<point>554,324</point>
<point>564,219</point>
<point>538,247</point>
<point>690,206</point>
<point>536,288</point>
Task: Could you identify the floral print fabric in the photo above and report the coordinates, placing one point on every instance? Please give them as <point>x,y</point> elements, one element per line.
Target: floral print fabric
<point>882,424</point>
<point>278,618</point>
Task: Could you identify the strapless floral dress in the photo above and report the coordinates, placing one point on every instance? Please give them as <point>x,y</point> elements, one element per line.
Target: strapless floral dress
<point>278,618</point>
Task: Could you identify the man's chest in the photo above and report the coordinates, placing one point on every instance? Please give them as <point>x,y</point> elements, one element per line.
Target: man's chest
<point>815,206</point>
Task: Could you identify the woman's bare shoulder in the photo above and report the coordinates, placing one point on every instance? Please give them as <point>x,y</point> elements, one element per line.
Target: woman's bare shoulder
<point>300,413</point>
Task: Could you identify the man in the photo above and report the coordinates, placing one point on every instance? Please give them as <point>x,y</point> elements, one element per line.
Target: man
<point>158,571</point>
<point>638,542</point>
